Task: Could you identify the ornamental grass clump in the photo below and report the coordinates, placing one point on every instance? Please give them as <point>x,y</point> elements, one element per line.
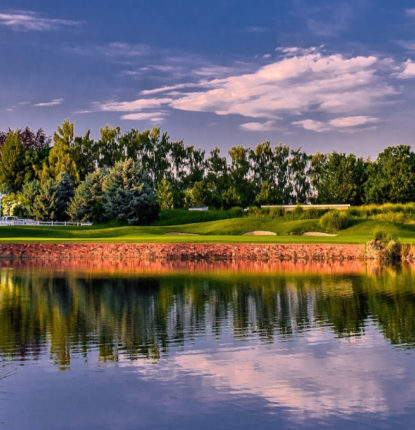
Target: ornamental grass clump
<point>384,246</point>
<point>334,221</point>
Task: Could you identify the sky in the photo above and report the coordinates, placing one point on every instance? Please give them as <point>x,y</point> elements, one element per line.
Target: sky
<point>321,75</point>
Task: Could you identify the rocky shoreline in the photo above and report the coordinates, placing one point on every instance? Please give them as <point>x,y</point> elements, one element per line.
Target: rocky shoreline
<point>185,251</point>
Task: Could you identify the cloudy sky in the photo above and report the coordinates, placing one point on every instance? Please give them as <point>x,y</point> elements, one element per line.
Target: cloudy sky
<point>322,75</point>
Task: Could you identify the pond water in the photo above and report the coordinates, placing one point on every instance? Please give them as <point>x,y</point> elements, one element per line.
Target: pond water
<point>198,348</point>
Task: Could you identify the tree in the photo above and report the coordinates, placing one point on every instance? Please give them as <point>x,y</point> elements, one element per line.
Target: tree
<point>239,174</point>
<point>165,194</point>
<point>217,176</point>
<point>26,199</point>
<point>46,202</point>
<point>231,198</point>
<point>391,178</point>
<point>11,162</point>
<point>61,156</point>
<point>129,195</point>
<point>267,194</point>
<point>86,203</point>
<point>64,194</point>
<point>338,178</point>
<point>85,155</point>
<point>299,174</point>
<point>108,148</point>
<point>198,195</point>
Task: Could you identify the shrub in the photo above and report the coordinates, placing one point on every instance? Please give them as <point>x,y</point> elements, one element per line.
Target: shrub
<point>277,212</point>
<point>297,212</point>
<point>334,221</point>
<point>392,216</point>
<point>381,235</point>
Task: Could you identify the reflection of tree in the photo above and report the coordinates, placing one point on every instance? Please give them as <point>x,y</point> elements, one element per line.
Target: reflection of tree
<point>143,317</point>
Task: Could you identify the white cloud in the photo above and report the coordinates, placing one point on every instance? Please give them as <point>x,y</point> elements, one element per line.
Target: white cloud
<point>313,125</point>
<point>408,70</point>
<point>353,121</point>
<point>301,82</point>
<point>145,116</point>
<point>410,12</point>
<point>31,21</point>
<point>259,126</point>
<point>347,124</point>
<point>296,84</point>
<point>133,106</point>
<point>53,102</point>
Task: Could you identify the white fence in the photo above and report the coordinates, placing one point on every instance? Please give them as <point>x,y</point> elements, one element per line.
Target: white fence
<point>32,222</point>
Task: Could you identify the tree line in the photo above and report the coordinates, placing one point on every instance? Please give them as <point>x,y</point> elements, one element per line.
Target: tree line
<point>129,176</point>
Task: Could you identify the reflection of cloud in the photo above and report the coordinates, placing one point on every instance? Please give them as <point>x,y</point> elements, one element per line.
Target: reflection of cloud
<point>312,380</point>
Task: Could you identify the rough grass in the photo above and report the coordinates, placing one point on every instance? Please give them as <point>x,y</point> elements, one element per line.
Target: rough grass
<point>224,231</point>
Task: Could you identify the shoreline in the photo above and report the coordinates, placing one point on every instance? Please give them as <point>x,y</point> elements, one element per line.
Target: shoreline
<point>184,251</point>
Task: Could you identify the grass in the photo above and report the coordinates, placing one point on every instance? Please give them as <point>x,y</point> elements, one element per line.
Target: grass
<point>219,231</point>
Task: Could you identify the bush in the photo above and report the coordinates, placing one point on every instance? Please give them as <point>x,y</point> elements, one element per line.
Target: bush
<point>382,235</point>
<point>334,221</point>
<point>392,216</point>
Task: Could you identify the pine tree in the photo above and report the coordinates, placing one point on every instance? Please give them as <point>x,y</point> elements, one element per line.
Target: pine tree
<point>46,202</point>
<point>129,195</point>
<point>64,193</point>
<point>86,203</point>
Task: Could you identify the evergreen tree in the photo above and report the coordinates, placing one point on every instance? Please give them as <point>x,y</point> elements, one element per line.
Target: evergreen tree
<point>86,203</point>
<point>46,202</point>
<point>64,193</point>
<point>62,155</point>
<point>129,195</point>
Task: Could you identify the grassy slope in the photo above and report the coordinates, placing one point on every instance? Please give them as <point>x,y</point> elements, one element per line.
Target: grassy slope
<point>228,230</point>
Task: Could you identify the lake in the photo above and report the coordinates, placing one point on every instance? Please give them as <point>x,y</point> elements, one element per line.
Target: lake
<point>206,346</point>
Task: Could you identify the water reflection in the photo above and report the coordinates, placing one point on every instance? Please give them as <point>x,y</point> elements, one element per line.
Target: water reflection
<point>307,346</point>
<point>141,317</point>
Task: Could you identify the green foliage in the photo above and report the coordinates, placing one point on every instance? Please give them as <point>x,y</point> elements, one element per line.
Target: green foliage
<point>26,199</point>
<point>391,216</point>
<point>46,203</point>
<point>198,195</point>
<point>165,195</point>
<point>11,162</point>
<point>64,194</point>
<point>129,195</point>
<point>391,178</point>
<point>231,198</point>
<point>184,216</point>
<point>334,221</point>
<point>338,178</point>
<point>382,235</point>
<point>86,204</point>
<point>62,157</point>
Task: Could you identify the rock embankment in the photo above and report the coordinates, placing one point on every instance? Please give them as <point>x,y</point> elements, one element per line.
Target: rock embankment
<point>185,251</point>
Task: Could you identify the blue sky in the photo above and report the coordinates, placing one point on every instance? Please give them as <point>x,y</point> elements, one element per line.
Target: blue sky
<point>323,75</point>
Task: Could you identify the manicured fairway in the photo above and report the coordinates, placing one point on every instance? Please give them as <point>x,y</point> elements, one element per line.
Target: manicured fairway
<point>225,231</point>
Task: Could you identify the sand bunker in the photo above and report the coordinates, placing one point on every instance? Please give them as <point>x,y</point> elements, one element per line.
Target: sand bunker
<point>179,233</point>
<point>260,233</point>
<point>318,233</point>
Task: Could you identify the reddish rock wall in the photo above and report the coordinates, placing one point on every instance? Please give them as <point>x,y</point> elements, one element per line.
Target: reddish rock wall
<point>184,251</point>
